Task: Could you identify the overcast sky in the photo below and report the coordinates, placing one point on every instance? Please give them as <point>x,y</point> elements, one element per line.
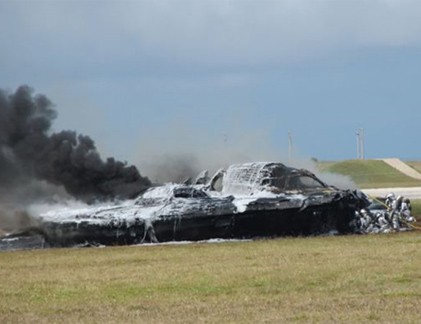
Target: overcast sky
<point>223,80</point>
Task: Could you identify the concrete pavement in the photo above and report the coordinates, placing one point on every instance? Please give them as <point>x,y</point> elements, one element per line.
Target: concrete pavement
<point>407,192</point>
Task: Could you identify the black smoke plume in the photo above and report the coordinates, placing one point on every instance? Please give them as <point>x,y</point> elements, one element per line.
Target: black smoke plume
<point>30,151</point>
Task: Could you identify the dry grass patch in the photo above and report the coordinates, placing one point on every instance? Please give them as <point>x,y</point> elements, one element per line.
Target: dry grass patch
<point>322,279</point>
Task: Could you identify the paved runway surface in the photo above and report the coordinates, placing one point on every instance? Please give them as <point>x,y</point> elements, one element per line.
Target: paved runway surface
<point>411,193</point>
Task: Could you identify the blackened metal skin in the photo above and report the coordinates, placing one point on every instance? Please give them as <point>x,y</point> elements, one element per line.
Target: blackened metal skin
<point>263,218</point>
<point>70,234</point>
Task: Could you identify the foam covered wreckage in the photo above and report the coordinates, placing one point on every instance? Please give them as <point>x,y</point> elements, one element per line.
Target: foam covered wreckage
<point>245,201</point>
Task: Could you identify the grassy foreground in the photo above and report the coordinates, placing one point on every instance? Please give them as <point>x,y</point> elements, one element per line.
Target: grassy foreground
<point>321,279</point>
<point>370,173</point>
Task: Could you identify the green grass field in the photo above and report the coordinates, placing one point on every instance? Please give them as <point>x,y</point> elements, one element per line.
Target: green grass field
<point>416,208</point>
<point>354,278</point>
<point>374,278</point>
<point>370,173</point>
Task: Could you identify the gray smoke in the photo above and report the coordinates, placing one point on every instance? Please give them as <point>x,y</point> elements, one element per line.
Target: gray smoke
<point>30,153</point>
<point>334,179</point>
<point>173,168</point>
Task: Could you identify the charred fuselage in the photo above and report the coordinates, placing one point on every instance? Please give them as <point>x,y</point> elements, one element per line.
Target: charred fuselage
<point>245,201</point>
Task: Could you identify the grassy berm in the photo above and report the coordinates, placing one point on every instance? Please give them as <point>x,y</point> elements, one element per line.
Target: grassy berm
<point>371,173</point>
<point>352,278</point>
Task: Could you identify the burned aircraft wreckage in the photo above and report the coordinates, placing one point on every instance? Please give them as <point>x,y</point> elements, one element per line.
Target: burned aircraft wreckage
<point>246,201</point>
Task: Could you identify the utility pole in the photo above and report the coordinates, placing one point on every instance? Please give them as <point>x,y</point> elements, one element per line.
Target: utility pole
<point>289,147</point>
<point>360,143</point>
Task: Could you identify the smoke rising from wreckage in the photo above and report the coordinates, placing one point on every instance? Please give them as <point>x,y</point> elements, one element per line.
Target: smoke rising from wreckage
<point>261,199</point>
<point>36,163</point>
<point>30,151</point>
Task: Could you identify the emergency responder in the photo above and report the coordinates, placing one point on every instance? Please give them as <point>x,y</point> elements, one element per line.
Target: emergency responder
<point>395,213</point>
<point>406,204</point>
<point>390,198</point>
<point>366,221</point>
<point>382,222</point>
<point>405,211</point>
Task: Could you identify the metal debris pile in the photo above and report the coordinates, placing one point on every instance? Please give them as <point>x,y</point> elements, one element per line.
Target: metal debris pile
<point>251,200</point>
<point>260,199</point>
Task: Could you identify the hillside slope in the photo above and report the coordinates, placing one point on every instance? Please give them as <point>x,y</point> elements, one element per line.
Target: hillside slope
<point>371,173</point>
<point>403,167</point>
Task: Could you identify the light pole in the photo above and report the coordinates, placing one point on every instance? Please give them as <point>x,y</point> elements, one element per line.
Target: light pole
<point>289,147</point>
<point>360,143</point>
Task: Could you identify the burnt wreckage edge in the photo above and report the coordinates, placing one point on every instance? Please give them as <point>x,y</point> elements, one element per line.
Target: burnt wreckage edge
<point>319,211</point>
<point>258,221</point>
